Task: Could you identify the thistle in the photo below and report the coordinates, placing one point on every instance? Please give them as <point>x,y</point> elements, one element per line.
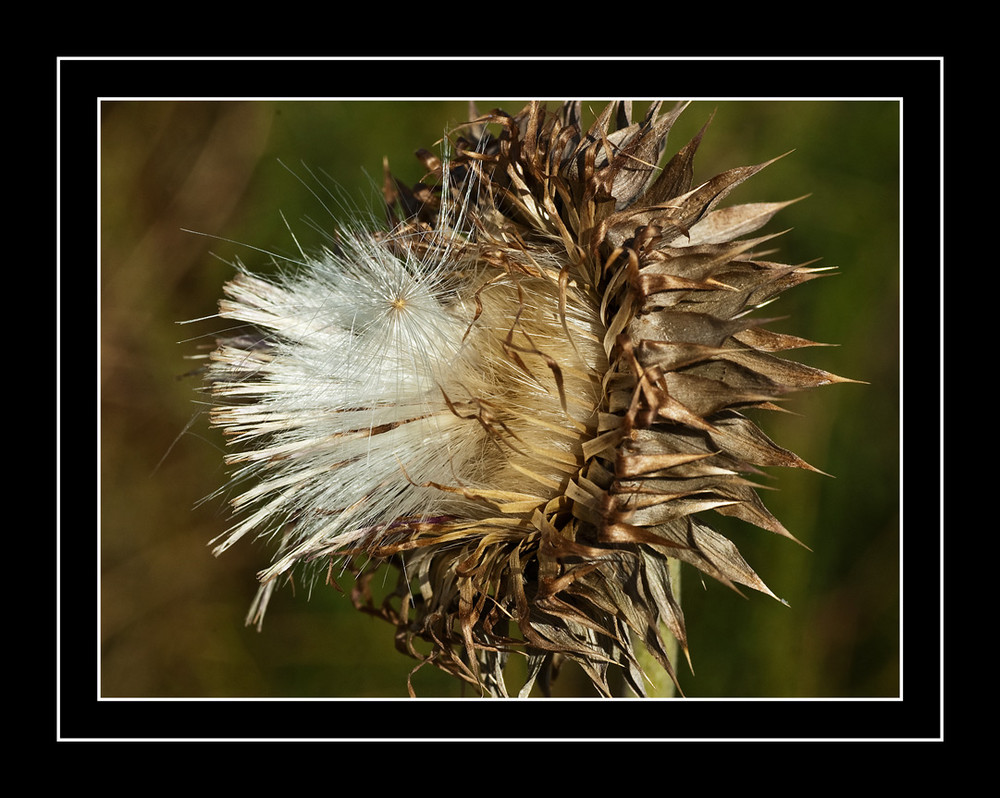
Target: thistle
<point>526,395</point>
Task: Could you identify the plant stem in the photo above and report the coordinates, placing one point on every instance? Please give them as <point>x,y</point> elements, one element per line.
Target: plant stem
<point>658,681</point>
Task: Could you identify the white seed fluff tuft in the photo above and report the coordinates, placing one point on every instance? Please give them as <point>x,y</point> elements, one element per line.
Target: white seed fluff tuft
<point>387,389</point>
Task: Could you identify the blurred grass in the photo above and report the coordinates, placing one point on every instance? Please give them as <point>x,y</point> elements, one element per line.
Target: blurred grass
<point>172,615</point>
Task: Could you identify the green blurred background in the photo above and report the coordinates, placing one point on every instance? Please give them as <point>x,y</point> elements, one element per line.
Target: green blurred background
<point>172,614</point>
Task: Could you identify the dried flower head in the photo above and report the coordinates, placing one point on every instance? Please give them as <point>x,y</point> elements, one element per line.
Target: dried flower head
<point>526,395</point>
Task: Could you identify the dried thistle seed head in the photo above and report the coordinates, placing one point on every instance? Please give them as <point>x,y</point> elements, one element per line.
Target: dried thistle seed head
<point>526,395</point>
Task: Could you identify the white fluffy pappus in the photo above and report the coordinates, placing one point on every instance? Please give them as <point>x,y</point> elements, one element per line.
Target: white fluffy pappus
<point>389,388</point>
